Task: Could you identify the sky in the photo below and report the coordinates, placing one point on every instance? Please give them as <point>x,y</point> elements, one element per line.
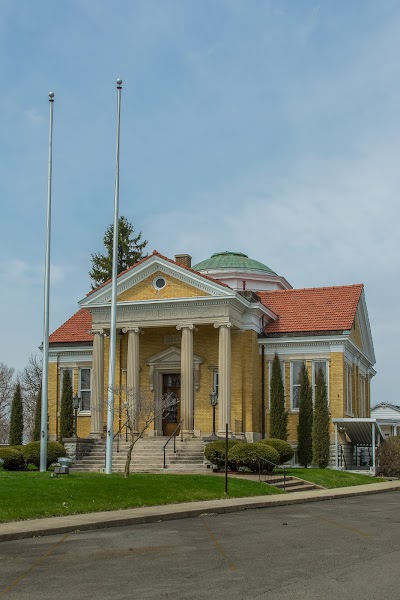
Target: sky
<point>269,127</point>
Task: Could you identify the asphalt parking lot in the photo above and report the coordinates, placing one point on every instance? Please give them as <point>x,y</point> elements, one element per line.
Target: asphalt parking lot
<point>344,548</point>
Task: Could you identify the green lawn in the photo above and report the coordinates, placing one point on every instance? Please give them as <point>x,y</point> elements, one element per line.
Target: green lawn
<point>28,495</point>
<point>329,478</point>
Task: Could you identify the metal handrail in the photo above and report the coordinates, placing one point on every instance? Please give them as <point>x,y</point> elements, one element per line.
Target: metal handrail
<point>269,472</point>
<point>173,435</point>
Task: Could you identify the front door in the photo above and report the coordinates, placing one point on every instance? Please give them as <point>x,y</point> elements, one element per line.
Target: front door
<point>172,415</point>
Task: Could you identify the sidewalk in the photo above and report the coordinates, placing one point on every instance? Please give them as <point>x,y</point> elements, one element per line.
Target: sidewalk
<point>153,514</point>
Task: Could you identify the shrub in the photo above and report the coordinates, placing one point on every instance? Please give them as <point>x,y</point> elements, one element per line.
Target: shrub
<point>389,457</point>
<point>31,453</point>
<point>215,452</point>
<point>13,459</point>
<point>283,448</point>
<point>249,455</point>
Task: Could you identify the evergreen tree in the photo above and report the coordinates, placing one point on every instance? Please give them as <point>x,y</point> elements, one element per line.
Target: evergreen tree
<point>320,438</point>
<point>278,414</point>
<point>67,409</point>
<point>17,418</point>
<point>38,415</point>
<point>304,429</point>
<point>130,250</point>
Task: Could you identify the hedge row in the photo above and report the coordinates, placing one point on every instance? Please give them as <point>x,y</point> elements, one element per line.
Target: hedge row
<point>249,455</point>
<point>17,458</point>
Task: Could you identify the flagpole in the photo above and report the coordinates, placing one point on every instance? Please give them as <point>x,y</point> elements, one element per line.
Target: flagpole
<point>44,406</point>
<point>113,324</point>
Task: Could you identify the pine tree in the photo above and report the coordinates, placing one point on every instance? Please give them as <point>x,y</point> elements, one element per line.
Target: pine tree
<point>130,250</point>
<point>320,437</point>
<point>17,419</point>
<point>67,410</point>
<point>38,416</point>
<point>278,414</point>
<point>304,429</point>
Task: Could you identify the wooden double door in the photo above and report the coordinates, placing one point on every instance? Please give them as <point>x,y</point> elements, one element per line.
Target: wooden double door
<point>172,391</point>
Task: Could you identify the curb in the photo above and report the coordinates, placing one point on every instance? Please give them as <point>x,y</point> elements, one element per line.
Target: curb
<point>17,530</point>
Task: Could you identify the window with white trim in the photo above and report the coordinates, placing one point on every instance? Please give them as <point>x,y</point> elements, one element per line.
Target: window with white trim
<point>215,381</point>
<point>349,390</point>
<point>295,370</point>
<point>316,365</point>
<point>85,388</point>
<point>282,365</point>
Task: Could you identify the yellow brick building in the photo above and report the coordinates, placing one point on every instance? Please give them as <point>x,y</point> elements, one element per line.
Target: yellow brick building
<point>217,326</point>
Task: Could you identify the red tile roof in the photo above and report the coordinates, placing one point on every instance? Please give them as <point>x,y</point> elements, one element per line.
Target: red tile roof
<point>303,310</point>
<point>312,309</point>
<point>76,329</point>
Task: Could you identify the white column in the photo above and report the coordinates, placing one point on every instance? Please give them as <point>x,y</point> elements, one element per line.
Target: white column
<point>132,376</point>
<point>97,399</point>
<point>187,400</point>
<point>224,378</point>
<point>336,447</point>
<point>373,447</point>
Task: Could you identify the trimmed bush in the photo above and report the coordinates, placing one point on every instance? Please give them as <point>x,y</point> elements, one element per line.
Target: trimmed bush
<point>249,455</point>
<point>215,452</point>
<point>13,459</point>
<point>389,457</point>
<point>284,449</point>
<point>31,453</point>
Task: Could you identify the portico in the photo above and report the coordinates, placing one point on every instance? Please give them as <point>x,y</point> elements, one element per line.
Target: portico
<point>171,321</point>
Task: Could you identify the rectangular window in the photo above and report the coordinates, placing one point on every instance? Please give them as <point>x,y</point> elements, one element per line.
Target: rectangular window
<point>349,390</point>
<point>295,369</point>
<point>316,365</point>
<point>85,388</point>
<point>282,365</point>
<point>215,381</point>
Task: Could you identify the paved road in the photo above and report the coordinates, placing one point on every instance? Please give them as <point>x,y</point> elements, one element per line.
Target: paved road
<point>347,549</point>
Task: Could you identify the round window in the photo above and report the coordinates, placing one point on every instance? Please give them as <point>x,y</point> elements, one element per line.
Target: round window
<point>159,283</point>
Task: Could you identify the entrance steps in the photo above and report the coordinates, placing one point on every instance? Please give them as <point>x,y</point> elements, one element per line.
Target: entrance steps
<point>292,484</point>
<point>148,456</point>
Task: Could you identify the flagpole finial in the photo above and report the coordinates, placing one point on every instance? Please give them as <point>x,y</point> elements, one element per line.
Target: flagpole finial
<point>51,96</point>
<point>119,82</point>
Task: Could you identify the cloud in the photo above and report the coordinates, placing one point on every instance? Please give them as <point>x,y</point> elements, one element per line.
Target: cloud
<point>33,116</point>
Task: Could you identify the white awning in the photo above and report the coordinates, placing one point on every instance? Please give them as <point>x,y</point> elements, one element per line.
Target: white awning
<point>360,431</point>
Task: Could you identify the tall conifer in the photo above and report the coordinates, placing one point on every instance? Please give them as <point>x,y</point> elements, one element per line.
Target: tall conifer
<point>38,415</point>
<point>17,419</point>
<point>304,429</point>
<point>320,438</point>
<point>130,250</point>
<point>278,414</point>
<point>67,409</point>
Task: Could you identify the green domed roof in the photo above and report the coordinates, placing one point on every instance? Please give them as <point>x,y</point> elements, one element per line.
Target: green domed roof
<point>232,260</point>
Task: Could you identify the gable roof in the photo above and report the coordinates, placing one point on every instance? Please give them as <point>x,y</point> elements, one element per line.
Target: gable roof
<point>146,258</point>
<point>76,329</point>
<point>312,309</point>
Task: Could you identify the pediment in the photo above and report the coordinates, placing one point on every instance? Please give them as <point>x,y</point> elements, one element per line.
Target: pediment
<point>140,284</point>
<point>361,333</point>
<point>170,356</point>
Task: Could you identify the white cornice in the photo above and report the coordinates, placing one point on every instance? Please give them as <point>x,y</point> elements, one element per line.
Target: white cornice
<point>68,354</point>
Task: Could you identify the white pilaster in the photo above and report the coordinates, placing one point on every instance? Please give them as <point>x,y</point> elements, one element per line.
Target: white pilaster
<point>97,399</point>
<point>224,378</point>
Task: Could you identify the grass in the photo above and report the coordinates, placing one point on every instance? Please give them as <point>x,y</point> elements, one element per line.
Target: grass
<point>29,495</point>
<point>329,478</point>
